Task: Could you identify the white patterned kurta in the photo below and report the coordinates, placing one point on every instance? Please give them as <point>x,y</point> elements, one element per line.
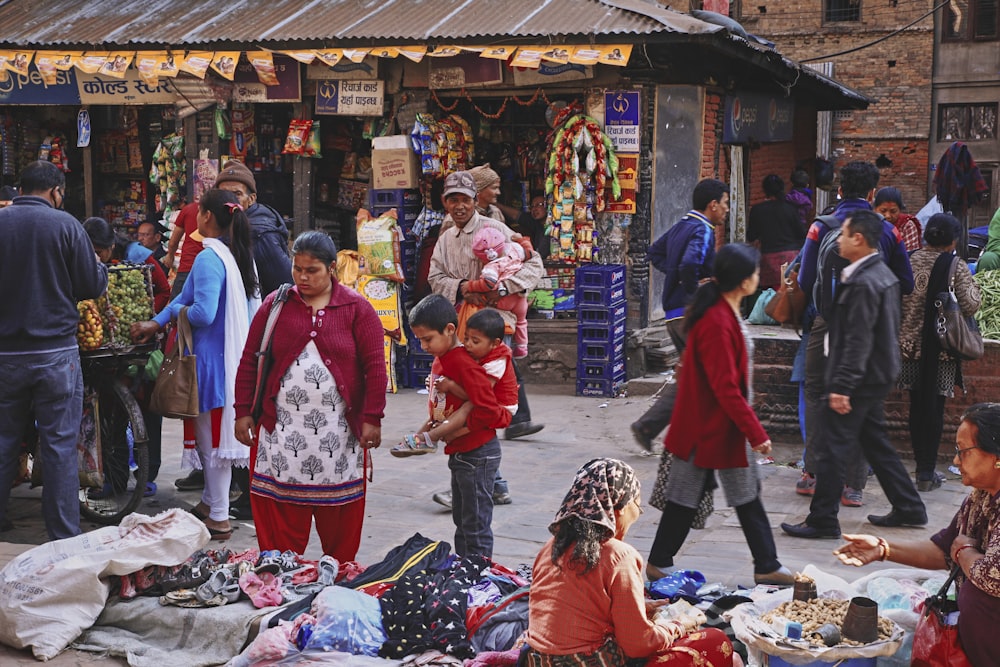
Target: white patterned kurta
<point>311,457</point>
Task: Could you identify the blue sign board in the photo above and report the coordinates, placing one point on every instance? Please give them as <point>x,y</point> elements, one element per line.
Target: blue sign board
<point>757,117</point>
<point>327,96</point>
<point>621,119</point>
<point>30,89</point>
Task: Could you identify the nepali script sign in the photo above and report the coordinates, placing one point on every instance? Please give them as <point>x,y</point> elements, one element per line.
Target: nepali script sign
<point>350,98</point>
<point>97,89</point>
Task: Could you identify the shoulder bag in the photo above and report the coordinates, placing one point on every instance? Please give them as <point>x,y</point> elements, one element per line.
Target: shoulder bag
<point>935,642</point>
<point>789,304</point>
<point>265,360</point>
<point>959,335</point>
<point>175,394</point>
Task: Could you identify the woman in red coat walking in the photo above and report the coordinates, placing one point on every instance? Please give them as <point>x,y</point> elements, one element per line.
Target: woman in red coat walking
<point>714,428</point>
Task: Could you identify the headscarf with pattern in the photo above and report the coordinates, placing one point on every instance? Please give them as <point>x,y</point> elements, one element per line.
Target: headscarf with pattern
<point>601,486</point>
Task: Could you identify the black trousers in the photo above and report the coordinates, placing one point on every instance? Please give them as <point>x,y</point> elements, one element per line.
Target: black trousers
<point>864,424</point>
<point>657,417</point>
<point>523,409</point>
<point>926,425</point>
<point>675,524</point>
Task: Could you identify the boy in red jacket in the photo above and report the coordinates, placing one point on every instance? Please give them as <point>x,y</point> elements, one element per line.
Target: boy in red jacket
<point>483,340</point>
<point>474,457</point>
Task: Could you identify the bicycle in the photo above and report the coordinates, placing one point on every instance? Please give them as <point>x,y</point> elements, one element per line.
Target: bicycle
<point>121,433</point>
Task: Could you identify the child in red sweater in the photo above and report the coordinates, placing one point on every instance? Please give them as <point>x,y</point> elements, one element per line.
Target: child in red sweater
<point>473,457</point>
<point>483,341</point>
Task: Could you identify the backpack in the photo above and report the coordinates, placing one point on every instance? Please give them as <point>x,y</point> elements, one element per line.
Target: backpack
<point>829,264</point>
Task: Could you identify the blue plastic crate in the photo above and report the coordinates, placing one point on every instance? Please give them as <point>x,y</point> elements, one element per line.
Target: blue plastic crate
<point>398,199</point>
<point>418,365</point>
<point>588,295</point>
<point>600,333</point>
<point>601,315</point>
<point>600,275</point>
<point>600,370</point>
<point>596,387</point>
<point>775,661</point>
<point>603,350</point>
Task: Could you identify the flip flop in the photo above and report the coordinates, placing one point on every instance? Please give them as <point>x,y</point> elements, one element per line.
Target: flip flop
<point>199,515</point>
<point>328,568</point>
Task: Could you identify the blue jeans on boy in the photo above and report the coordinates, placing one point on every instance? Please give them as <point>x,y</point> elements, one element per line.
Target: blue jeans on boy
<point>472,479</point>
<point>46,386</point>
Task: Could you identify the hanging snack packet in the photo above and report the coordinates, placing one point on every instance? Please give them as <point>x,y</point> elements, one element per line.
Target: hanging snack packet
<point>378,245</point>
<point>313,142</point>
<point>298,135</point>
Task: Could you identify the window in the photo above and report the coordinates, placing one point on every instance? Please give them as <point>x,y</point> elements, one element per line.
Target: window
<point>841,10</point>
<point>967,122</point>
<point>971,20</point>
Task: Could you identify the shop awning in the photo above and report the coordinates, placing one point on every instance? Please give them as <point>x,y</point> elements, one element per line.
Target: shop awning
<point>284,24</point>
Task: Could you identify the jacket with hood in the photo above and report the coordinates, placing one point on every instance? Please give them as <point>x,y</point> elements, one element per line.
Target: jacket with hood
<point>270,247</point>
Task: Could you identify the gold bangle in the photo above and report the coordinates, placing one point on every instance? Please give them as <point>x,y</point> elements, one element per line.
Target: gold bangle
<point>883,546</point>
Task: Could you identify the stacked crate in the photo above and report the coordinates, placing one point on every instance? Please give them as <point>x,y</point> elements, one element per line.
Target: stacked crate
<point>601,311</point>
<point>408,205</point>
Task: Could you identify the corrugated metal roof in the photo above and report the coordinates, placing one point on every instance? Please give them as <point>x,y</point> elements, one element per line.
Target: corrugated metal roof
<point>31,23</point>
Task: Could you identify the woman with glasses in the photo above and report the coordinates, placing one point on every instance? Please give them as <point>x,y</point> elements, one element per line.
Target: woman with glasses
<point>971,542</point>
<point>587,605</point>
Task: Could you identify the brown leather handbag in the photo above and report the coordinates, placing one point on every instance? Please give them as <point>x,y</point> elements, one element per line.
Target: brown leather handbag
<point>789,304</point>
<point>175,393</point>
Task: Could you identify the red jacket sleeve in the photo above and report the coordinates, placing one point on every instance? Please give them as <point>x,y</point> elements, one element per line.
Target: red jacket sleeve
<point>161,286</point>
<point>369,340</point>
<point>246,373</point>
<point>487,413</point>
<point>717,353</point>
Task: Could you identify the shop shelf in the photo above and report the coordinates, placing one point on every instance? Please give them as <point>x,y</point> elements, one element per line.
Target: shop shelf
<point>600,275</point>
<point>601,351</point>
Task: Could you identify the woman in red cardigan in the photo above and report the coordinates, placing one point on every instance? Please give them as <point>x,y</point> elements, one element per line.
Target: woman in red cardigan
<point>323,406</point>
<point>714,428</point>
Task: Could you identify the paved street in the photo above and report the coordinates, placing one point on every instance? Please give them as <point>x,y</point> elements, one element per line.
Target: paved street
<point>539,470</point>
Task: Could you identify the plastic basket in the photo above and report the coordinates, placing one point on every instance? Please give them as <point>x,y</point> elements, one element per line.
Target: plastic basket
<point>601,315</point>
<point>399,199</point>
<point>601,370</point>
<point>600,275</point>
<point>600,333</point>
<point>587,295</point>
<point>601,350</point>
<point>595,387</point>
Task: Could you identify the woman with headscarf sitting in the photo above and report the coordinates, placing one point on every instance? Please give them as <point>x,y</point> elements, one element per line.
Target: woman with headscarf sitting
<point>587,605</point>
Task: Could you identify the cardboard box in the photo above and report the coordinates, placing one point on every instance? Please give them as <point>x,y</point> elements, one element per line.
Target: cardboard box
<point>395,168</point>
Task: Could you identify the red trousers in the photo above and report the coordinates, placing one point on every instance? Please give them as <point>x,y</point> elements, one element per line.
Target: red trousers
<point>285,526</point>
<point>703,648</point>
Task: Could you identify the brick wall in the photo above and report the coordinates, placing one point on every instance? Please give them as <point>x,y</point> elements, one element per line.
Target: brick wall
<point>714,155</point>
<point>895,73</point>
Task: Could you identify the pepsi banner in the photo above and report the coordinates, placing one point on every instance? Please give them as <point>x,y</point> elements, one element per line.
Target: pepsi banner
<point>758,117</point>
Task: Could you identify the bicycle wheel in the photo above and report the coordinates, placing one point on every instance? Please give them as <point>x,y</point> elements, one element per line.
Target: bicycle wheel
<point>124,458</point>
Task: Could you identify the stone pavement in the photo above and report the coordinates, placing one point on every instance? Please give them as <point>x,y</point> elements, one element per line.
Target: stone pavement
<point>539,470</point>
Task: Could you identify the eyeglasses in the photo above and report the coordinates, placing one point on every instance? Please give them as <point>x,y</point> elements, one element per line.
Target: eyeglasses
<point>960,453</point>
<point>538,205</point>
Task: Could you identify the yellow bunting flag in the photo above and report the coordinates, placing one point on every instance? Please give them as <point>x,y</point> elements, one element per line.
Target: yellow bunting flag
<point>386,52</point>
<point>414,53</point>
<point>444,51</point>
<point>148,65</point>
<point>170,65</point>
<point>91,62</point>
<point>356,55</point>
<point>557,54</point>
<point>224,62</point>
<point>196,63</point>
<point>498,52</point>
<point>584,55</point>
<point>19,62</point>
<point>528,56</point>
<point>116,63</point>
<point>263,63</point>
<point>615,54</point>
<point>329,57</point>
<point>302,56</point>
<point>45,64</point>
<point>64,60</point>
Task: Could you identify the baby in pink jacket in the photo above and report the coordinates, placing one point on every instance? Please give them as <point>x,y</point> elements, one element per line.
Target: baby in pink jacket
<point>501,260</point>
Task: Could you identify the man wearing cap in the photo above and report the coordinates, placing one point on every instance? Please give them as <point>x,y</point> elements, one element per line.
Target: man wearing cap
<point>150,235</point>
<point>267,227</point>
<point>453,265</point>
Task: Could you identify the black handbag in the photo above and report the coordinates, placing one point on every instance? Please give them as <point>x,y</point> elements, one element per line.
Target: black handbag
<point>958,335</point>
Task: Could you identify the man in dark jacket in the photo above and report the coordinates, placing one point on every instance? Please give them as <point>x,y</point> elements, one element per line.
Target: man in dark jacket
<point>267,228</point>
<point>862,368</point>
<point>686,252</point>
<point>45,253</point>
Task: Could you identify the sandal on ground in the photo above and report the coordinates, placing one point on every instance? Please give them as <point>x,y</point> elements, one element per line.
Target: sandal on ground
<point>412,445</point>
<point>199,515</point>
<point>328,568</point>
<point>220,535</point>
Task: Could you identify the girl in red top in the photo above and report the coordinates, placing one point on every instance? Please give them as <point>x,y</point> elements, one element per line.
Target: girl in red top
<point>714,426</point>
